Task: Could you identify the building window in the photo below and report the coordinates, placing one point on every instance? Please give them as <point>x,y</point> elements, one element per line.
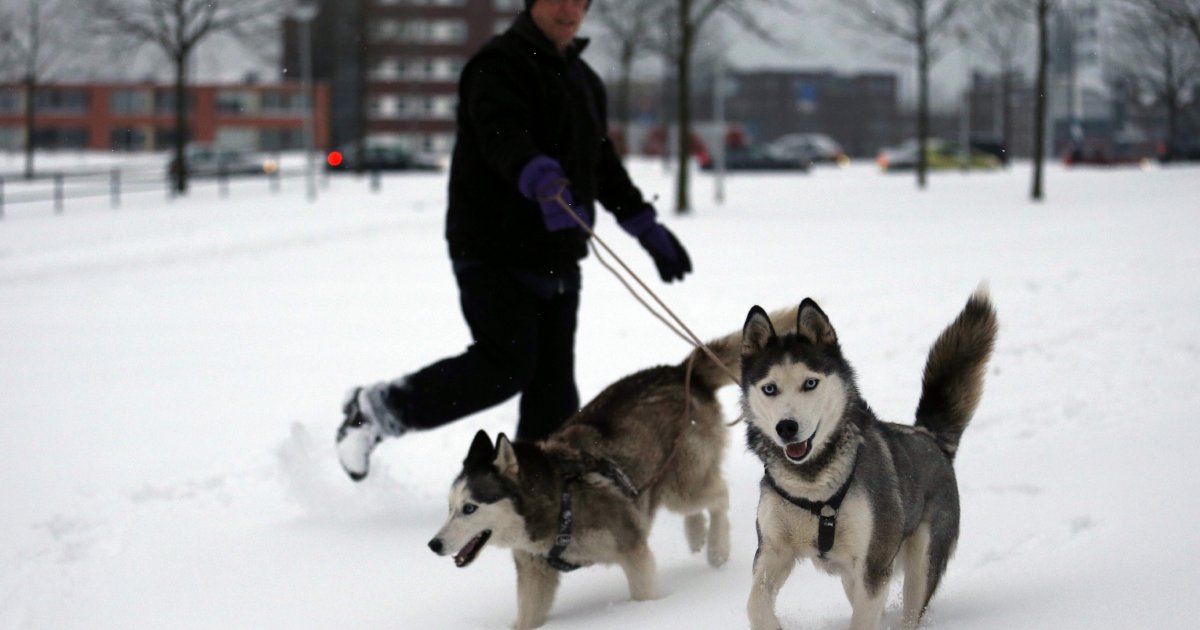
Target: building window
<point>235,102</point>
<point>61,101</point>
<point>128,139</point>
<point>284,103</point>
<point>60,138</point>
<point>508,5</point>
<point>164,101</point>
<point>11,101</point>
<point>130,102</point>
<point>281,139</point>
<point>11,138</point>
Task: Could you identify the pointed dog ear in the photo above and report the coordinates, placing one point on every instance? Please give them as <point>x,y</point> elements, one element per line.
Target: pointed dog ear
<point>481,451</point>
<point>757,331</point>
<point>813,324</point>
<point>506,458</point>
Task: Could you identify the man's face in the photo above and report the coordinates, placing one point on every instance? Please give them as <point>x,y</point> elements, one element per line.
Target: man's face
<point>559,20</point>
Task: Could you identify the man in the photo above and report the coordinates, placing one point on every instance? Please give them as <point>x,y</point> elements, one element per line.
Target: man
<point>532,133</point>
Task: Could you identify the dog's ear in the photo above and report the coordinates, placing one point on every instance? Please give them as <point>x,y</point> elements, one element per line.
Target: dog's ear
<point>480,454</point>
<point>757,331</point>
<point>813,324</point>
<point>506,458</point>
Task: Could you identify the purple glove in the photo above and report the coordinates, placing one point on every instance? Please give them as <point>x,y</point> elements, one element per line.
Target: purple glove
<point>541,180</point>
<point>669,255</point>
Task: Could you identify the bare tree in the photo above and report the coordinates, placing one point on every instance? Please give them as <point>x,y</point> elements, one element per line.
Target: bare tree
<point>177,27</point>
<point>681,25</point>
<point>1153,52</point>
<point>921,24</point>
<point>1039,11</point>
<point>1185,13</point>
<point>627,24</point>
<point>35,42</point>
<point>1004,36</point>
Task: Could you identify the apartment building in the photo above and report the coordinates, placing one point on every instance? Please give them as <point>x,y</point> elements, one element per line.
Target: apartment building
<point>394,64</point>
<point>141,116</point>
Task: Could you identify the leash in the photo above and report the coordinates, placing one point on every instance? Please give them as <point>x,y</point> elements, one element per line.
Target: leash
<point>682,330</point>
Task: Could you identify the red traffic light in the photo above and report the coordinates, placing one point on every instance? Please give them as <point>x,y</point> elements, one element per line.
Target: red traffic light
<point>335,158</point>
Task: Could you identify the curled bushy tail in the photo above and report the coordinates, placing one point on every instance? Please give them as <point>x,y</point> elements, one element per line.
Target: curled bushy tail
<point>729,350</point>
<point>953,381</point>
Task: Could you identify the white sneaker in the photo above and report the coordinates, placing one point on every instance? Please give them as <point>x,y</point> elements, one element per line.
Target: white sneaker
<point>363,428</point>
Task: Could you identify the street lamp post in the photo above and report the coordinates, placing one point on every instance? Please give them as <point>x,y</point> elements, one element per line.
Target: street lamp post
<point>304,13</point>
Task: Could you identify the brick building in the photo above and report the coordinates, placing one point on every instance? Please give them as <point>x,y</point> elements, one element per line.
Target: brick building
<point>394,65</point>
<point>141,116</point>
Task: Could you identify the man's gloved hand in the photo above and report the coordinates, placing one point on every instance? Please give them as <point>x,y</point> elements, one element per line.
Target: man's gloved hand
<point>669,255</point>
<point>541,180</point>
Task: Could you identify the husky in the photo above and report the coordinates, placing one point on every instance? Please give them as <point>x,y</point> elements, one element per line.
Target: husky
<point>857,496</point>
<point>588,493</point>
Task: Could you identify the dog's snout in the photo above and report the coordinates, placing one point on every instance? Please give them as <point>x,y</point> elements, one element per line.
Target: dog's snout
<point>787,429</point>
<point>436,545</point>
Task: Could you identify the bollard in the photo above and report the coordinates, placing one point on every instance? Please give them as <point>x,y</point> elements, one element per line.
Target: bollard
<point>223,179</point>
<point>375,180</point>
<point>274,180</point>
<point>1,197</point>
<point>58,193</point>
<point>114,188</point>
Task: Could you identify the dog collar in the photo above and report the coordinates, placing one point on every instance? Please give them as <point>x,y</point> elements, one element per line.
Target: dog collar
<point>826,511</point>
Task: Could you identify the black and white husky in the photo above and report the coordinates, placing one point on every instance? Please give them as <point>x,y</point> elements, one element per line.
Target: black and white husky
<point>588,493</point>
<point>859,497</point>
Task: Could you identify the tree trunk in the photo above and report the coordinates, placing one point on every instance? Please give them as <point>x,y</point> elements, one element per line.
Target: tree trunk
<point>682,203</point>
<point>922,96</point>
<point>1039,116</point>
<point>181,126</point>
<point>30,121</point>
<point>1006,115</point>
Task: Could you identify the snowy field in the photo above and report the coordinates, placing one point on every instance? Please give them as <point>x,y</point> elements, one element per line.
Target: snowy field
<point>170,376</point>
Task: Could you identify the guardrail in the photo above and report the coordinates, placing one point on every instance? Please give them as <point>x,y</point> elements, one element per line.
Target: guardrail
<point>59,187</point>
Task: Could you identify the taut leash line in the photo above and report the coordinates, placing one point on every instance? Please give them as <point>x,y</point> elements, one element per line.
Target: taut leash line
<point>690,337</point>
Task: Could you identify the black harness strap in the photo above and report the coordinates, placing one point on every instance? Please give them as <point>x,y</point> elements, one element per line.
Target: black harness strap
<point>554,559</point>
<point>825,511</point>
<point>603,466</point>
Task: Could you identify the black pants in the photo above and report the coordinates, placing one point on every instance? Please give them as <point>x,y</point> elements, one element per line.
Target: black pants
<point>523,326</point>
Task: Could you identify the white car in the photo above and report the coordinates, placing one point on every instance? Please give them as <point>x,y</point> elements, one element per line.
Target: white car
<point>811,147</point>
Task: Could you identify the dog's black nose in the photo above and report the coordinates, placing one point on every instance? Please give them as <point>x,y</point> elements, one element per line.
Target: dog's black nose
<point>787,429</point>
<point>436,545</point>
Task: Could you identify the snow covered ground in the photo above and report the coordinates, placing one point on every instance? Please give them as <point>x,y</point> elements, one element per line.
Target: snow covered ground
<point>170,375</point>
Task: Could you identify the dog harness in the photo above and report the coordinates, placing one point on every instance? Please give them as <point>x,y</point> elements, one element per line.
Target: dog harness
<point>605,467</point>
<point>826,511</point>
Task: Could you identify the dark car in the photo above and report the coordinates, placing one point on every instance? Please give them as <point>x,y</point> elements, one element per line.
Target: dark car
<point>380,158</point>
<point>209,161</point>
<point>756,158</point>
<point>1179,151</point>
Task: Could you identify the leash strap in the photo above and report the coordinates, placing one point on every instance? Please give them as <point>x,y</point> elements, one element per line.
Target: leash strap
<point>825,511</point>
<point>686,333</point>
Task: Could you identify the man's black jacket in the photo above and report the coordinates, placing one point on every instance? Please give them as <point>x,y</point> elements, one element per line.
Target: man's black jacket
<point>518,98</point>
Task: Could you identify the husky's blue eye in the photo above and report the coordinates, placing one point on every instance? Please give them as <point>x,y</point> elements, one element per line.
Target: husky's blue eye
<point>770,389</point>
<point>811,384</point>
<point>469,508</point>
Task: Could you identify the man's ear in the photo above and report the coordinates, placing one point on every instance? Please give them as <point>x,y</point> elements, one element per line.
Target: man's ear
<point>757,331</point>
<point>505,459</point>
<point>480,454</point>
<point>813,324</point>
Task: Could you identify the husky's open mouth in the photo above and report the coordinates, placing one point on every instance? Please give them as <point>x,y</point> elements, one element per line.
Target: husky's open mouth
<point>797,451</point>
<point>467,554</point>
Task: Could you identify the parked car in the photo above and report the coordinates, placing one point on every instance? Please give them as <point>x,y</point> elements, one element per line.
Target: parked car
<point>816,148</point>
<point>209,161</point>
<point>755,158</point>
<point>380,157</point>
<point>939,155</point>
<point>1179,151</point>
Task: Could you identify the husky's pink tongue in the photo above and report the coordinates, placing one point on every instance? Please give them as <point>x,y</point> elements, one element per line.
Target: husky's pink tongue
<point>797,450</point>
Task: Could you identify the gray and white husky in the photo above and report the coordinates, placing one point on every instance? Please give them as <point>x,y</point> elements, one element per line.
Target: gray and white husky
<point>857,496</point>
<point>588,493</point>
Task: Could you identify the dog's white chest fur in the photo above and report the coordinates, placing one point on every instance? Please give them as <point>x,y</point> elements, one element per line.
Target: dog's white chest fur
<point>782,521</point>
